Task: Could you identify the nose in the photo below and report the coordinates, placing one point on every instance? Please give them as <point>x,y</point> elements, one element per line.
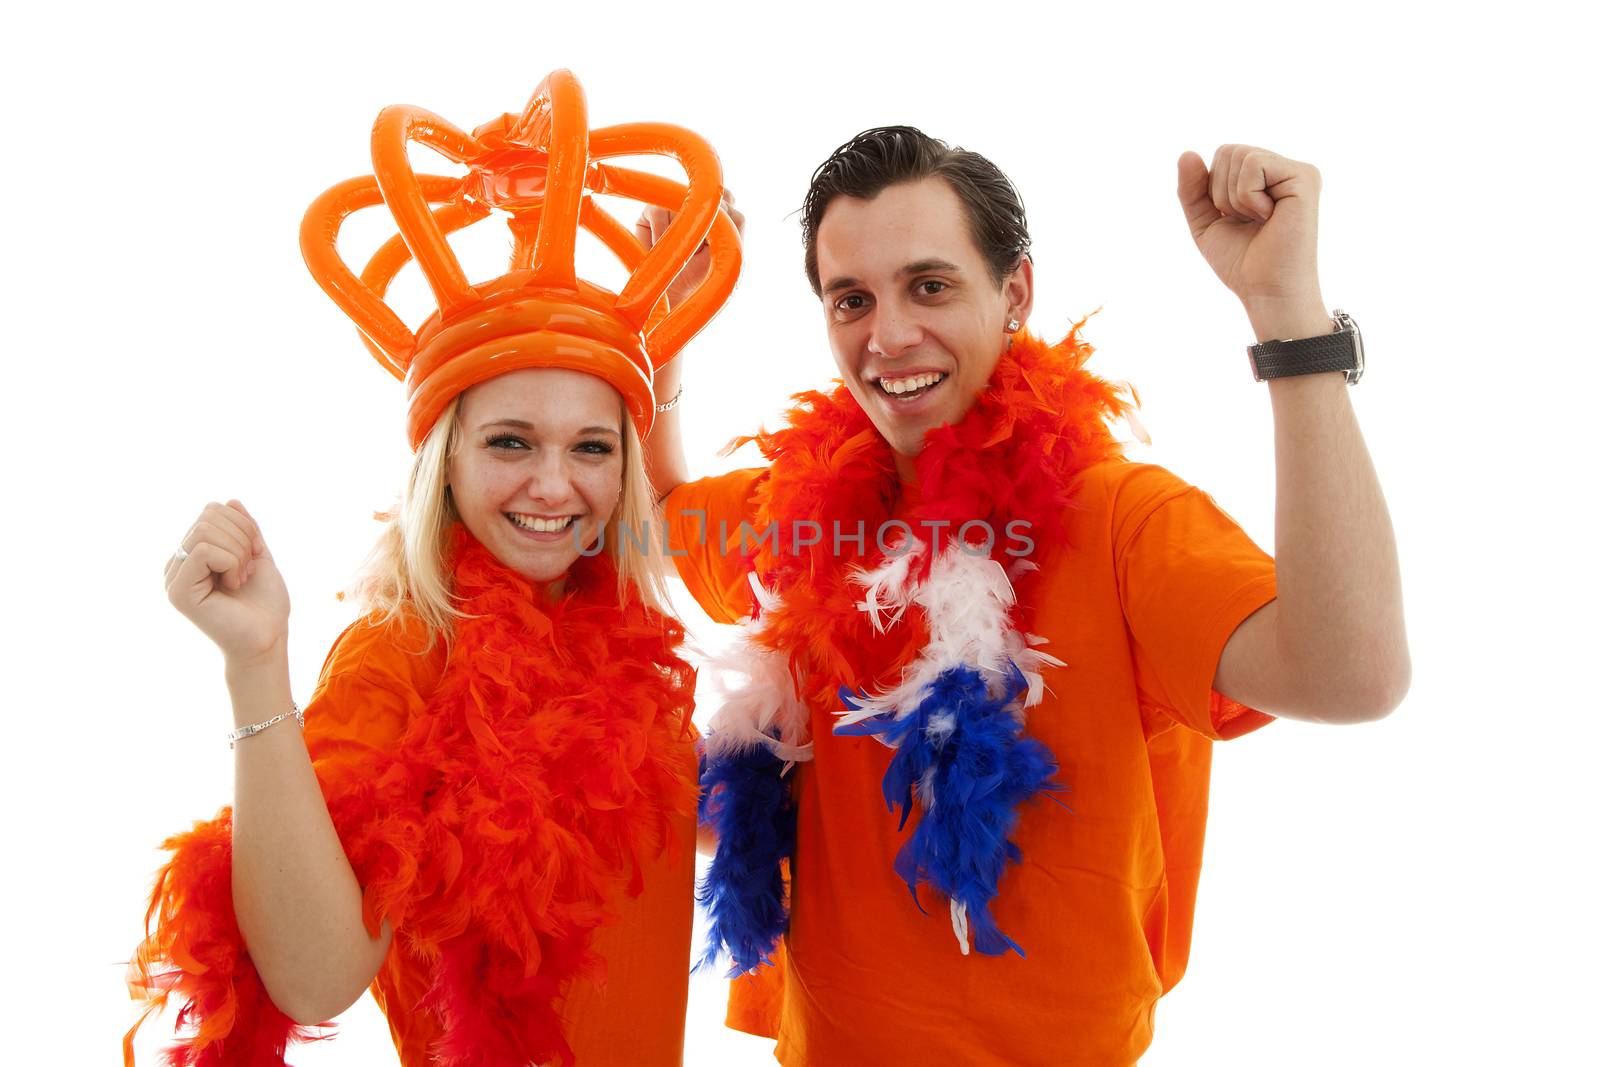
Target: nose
<point>549,481</point>
<point>895,330</point>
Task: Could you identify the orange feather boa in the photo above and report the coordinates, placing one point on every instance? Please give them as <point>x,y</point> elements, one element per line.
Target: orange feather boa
<point>494,838</point>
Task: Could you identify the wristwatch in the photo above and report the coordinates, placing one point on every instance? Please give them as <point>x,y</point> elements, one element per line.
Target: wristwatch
<point>1340,350</point>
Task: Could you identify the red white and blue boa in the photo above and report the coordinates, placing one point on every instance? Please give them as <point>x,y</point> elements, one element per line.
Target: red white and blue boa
<point>759,732</point>
<point>924,646</point>
<point>955,722</point>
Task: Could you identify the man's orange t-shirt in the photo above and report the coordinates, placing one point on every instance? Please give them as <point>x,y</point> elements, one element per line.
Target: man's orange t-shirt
<point>1156,579</point>
<point>374,679</point>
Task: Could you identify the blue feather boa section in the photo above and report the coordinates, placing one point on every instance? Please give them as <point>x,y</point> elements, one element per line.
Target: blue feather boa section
<point>744,797</point>
<point>961,756</point>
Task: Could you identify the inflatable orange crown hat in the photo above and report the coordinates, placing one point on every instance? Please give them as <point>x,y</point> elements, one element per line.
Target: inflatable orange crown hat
<point>537,167</point>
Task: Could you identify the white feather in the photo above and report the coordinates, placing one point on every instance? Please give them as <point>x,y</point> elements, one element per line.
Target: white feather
<point>887,591</point>
<point>967,600</point>
<point>762,699</point>
<point>1131,417</point>
<point>958,921</point>
<point>1024,652</point>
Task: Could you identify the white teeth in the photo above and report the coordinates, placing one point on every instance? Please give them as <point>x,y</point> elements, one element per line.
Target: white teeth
<point>897,386</point>
<point>538,525</point>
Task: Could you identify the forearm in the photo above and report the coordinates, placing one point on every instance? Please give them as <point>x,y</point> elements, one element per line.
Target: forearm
<point>295,895</point>
<point>1341,625</point>
<point>664,459</point>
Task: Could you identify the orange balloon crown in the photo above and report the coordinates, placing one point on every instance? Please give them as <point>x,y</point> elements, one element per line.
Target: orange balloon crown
<point>538,168</point>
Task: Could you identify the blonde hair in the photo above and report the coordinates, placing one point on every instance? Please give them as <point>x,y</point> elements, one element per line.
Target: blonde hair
<point>406,574</point>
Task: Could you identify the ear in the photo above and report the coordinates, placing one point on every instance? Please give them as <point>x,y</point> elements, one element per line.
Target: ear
<point>1018,291</point>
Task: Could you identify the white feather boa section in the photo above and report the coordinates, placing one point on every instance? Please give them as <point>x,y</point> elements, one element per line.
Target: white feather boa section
<point>763,701</point>
<point>967,600</point>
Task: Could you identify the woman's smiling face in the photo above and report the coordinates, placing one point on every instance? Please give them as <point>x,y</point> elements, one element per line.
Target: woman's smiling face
<point>538,470</point>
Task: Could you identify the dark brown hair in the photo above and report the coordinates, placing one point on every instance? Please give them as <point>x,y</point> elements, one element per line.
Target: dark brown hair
<point>875,159</point>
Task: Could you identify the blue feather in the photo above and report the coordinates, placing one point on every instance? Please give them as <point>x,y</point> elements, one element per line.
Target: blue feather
<point>745,799</point>
<point>982,769</point>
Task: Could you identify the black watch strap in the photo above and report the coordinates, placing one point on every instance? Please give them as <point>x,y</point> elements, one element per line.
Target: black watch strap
<point>1338,351</point>
<point>1308,355</point>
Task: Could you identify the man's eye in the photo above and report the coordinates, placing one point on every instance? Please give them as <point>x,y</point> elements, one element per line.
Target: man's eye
<point>851,302</point>
<point>932,287</point>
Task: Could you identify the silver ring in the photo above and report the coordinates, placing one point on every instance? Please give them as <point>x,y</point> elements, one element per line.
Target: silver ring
<point>181,555</point>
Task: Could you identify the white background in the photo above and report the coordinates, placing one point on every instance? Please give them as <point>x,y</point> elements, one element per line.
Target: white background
<point>1414,891</point>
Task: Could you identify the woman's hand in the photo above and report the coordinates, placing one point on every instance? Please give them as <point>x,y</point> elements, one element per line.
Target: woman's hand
<point>229,587</point>
<point>653,222</point>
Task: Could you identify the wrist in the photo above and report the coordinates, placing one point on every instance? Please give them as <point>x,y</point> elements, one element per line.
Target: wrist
<point>251,670</point>
<point>668,385</point>
<point>1282,320</point>
<point>668,378</point>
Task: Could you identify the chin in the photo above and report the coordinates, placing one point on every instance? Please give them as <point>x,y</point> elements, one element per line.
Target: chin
<point>905,436</point>
<point>908,445</point>
<point>543,572</point>
<point>537,564</point>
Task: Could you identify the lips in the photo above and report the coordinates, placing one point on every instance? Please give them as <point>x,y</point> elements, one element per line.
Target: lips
<point>539,523</point>
<point>905,388</point>
<point>915,383</point>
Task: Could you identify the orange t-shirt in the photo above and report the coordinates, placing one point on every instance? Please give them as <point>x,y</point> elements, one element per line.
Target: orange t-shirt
<point>1157,579</point>
<point>374,678</point>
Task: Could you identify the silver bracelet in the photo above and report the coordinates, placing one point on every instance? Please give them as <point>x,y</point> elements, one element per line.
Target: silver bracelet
<point>669,405</point>
<point>255,728</point>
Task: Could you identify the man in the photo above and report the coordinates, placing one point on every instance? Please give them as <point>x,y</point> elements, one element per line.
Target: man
<point>953,557</point>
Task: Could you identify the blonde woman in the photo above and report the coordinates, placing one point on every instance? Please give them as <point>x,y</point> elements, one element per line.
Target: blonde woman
<point>488,816</point>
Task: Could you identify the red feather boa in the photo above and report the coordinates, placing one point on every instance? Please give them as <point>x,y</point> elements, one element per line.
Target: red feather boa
<point>1041,420</point>
<point>495,839</point>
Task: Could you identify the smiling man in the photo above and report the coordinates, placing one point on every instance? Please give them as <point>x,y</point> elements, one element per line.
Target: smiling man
<point>962,600</point>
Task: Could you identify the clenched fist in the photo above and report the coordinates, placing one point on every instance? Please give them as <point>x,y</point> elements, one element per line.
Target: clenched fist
<point>653,222</point>
<point>224,580</point>
<point>1253,215</point>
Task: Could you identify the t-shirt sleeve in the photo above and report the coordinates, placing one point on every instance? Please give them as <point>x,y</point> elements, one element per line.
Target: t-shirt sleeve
<point>1188,575</point>
<point>377,675</point>
<point>703,524</point>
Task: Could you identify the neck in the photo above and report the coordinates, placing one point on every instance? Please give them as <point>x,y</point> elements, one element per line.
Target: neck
<point>906,467</point>
<point>552,591</point>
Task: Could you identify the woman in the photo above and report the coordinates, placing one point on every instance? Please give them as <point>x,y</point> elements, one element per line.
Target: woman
<point>489,815</point>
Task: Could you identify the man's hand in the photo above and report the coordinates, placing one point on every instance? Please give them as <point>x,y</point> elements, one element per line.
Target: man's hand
<point>653,223</point>
<point>1253,215</point>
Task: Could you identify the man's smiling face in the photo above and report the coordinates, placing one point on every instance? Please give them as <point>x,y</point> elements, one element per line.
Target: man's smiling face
<point>914,317</point>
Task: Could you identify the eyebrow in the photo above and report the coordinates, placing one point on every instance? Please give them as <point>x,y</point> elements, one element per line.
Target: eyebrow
<point>523,424</point>
<point>921,266</point>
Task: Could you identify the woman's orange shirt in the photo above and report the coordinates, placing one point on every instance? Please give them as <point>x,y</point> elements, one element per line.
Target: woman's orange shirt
<point>1155,580</point>
<point>374,679</point>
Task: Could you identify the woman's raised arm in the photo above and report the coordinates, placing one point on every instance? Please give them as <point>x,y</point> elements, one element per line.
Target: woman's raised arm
<point>295,894</point>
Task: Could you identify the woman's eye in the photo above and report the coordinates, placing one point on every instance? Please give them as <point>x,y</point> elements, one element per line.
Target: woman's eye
<point>596,448</point>
<point>507,441</point>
